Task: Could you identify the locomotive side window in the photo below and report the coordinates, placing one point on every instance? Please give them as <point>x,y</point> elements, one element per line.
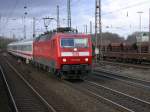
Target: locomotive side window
<point>74,42</point>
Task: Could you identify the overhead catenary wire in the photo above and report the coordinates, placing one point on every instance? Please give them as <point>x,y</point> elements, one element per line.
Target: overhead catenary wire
<point>79,2</point>
<point>126,7</point>
<point>119,9</point>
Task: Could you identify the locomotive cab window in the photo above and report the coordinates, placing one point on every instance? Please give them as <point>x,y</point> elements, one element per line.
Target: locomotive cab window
<point>74,42</point>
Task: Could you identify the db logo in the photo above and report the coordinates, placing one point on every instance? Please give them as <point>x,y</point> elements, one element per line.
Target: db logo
<point>75,54</point>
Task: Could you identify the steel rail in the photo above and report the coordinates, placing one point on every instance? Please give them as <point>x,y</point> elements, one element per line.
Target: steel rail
<point>15,109</point>
<point>127,65</point>
<point>122,108</point>
<point>116,76</point>
<point>110,101</point>
<point>50,107</point>
<point>115,91</point>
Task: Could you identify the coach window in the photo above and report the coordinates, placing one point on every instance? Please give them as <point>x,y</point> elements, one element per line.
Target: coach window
<point>21,47</point>
<point>15,47</point>
<point>26,47</point>
<point>29,48</point>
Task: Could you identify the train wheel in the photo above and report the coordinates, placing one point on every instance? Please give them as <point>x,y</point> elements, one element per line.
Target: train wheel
<point>27,61</point>
<point>60,75</point>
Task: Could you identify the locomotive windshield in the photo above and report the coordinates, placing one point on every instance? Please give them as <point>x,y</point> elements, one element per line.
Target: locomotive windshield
<point>74,42</point>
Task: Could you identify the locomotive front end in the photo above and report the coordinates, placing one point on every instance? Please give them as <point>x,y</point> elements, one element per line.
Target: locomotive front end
<point>75,55</point>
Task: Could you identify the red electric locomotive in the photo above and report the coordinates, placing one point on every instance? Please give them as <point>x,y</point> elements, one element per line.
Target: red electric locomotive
<point>67,54</point>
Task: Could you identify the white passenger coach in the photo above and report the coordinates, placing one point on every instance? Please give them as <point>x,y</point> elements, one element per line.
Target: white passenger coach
<point>22,49</point>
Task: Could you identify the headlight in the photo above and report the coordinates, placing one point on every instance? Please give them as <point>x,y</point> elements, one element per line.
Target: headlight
<point>64,60</point>
<point>86,59</point>
<point>75,49</point>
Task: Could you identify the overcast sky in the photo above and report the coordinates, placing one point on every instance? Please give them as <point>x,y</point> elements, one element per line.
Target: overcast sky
<point>118,16</point>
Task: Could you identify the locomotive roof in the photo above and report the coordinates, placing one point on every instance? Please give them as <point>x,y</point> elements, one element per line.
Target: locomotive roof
<point>51,35</point>
<point>62,31</point>
<point>70,34</point>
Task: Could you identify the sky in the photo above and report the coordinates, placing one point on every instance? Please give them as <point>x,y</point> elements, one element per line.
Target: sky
<point>118,16</point>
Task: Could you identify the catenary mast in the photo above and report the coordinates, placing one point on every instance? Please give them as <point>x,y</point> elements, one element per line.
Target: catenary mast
<point>98,29</point>
<point>69,13</point>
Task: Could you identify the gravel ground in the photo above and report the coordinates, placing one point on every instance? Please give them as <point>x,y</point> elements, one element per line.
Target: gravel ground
<point>143,74</point>
<point>56,91</point>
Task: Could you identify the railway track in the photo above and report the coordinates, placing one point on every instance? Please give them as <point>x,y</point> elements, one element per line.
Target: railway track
<point>116,99</point>
<point>26,98</point>
<point>12,105</point>
<point>134,104</point>
<point>127,65</point>
<point>124,100</point>
<point>126,79</point>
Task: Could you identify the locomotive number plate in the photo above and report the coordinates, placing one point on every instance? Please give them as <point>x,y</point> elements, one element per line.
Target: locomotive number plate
<point>75,53</point>
<point>75,59</point>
